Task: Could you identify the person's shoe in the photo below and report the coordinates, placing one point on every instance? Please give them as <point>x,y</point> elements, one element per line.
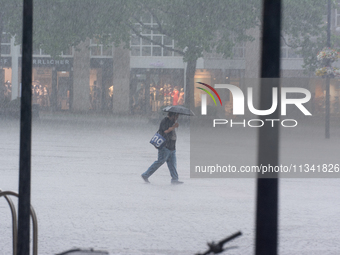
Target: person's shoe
<point>145,179</point>
<point>175,182</point>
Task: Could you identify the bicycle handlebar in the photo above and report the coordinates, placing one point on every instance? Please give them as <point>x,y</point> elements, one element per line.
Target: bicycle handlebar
<point>218,247</point>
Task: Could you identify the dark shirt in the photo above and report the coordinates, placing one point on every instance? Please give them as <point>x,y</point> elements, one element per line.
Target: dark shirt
<point>171,136</point>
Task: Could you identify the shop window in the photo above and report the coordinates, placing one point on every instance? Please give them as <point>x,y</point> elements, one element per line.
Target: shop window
<point>239,50</point>
<point>68,52</point>
<point>146,51</point>
<point>36,50</point>
<point>101,88</point>
<point>337,17</point>
<point>137,28</point>
<point>157,39</point>
<point>6,44</point>
<point>63,96</point>
<point>107,51</point>
<point>156,51</point>
<point>155,28</point>
<point>166,88</point>
<point>146,41</point>
<point>42,87</point>
<point>292,53</point>
<point>167,52</point>
<point>135,51</point>
<point>177,54</point>
<point>96,50</point>
<point>6,38</point>
<point>7,87</point>
<point>167,41</point>
<point>150,30</point>
<point>43,52</point>
<point>6,49</point>
<point>135,40</point>
<point>238,53</point>
<point>288,52</point>
<point>95,96</point>
<point>146,29</point>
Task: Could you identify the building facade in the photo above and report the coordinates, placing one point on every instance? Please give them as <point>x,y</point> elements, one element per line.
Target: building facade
<point>142,80</point>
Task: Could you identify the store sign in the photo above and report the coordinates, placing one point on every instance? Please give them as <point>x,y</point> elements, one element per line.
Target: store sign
<point>157,64</point>
<point>64,63</point>
<point>51,62</point>
<point>5,62</point>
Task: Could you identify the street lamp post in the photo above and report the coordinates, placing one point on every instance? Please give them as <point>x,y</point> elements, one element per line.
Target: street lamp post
<point>326,57</point>
<point>327,126</point>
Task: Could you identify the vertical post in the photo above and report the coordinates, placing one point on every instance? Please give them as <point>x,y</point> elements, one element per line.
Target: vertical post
<point>327,105</point>
<point>329,23</point>
<point>15,52</point>
<point>185,80</point>
<point>70,81</point>
<point>25,132</point>
<point>147,97</point>
<point>54,92</point>
<point>268,141</point>
<point>2,74</point>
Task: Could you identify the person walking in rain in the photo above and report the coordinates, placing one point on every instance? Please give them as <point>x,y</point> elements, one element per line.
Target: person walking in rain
<point>168,152</point>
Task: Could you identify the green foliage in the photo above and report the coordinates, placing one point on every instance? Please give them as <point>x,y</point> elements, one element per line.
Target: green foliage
<point>304,28</point>
<point>10,16</point>
<point>60,24</point>
<point>199,26</point>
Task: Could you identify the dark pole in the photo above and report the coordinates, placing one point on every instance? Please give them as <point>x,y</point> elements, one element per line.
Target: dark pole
<point>327,126</point>
<point>267,185</point>
<point>25,132</point>
<point>2,75</point>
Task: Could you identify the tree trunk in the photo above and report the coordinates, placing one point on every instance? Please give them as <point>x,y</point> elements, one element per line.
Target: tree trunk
<point>190,86</point>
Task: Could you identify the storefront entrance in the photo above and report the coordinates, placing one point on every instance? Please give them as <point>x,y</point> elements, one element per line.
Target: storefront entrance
<point>101,84</point>
<point>52,84</point>
<point>5,81</point>
<point>64,88</point>
<point>152,89</point>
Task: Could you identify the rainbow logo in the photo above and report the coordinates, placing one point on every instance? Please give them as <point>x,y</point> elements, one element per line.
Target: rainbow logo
<point>209,93</point>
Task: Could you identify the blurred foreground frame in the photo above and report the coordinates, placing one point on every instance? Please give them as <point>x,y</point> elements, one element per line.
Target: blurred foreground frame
<point>24,204</point>
<point>266,242</point>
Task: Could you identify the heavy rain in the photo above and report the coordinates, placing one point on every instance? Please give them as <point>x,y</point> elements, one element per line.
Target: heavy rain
<point>239,105</point>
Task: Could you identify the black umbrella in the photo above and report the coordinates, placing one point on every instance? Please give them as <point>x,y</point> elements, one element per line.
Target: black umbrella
<point>178,109</point>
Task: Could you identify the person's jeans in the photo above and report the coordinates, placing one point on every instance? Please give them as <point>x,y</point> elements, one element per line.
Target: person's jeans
<point>164,155</point>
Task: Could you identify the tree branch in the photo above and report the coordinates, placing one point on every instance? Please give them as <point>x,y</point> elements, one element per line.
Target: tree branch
<point>154,42</point>
<point>161,30</point>
<point>289,45</point>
